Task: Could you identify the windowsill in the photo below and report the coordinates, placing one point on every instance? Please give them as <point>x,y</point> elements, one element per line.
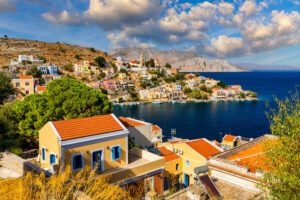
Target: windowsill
<point>116,159</point>
<point>75,170</point>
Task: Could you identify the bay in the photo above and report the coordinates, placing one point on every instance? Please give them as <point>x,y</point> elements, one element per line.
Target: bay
<point>213,120</point>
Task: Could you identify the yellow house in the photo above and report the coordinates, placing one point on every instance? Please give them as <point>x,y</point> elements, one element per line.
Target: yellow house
<point>122,76</point>
<point>25,84</point>
<point>99,142</point>
<point>173,161</point>
<point>230,141</point>
<point>194,154</point>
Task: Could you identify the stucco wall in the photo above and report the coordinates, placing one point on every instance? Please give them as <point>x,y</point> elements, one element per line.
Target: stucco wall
<point>106,146</point>
<point>49,140</point>
<point>142,134</point>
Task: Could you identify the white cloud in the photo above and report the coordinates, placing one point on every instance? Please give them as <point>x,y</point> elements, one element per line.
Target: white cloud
<point>226,8</point>
<point>110,14</point>
<point>249,8</point>
<point>7,6</point>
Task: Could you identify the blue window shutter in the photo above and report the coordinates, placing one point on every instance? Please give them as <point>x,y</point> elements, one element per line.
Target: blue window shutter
<point>43,153</point>
<point>81,161</point>
<point>119,152</point>
<point>113,153</point>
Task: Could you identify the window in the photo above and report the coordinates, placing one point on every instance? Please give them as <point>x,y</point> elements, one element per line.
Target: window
<point>115,152</point>
<point>187,163</point>
<point>26,83</point>
<point>27,92</point>
<point>52,158</point>
<point>77,161</point>
<point>43,153</point>
<point>177,167</point>
<point>17,84</point>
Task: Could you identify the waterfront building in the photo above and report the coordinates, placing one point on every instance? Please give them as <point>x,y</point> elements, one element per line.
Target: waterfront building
<point>100,143</point>
<point>142,133</point>
<point>242,165</point>
<point>211,82</point>
<point>170,72</point>
<point>24,84</point>
<point>122,76</point>
<point>194,154</point>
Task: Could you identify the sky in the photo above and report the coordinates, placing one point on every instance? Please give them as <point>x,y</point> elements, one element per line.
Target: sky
<point>265,32</point>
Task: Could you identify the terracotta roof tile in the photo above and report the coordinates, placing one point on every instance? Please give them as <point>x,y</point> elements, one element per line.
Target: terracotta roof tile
<point>229,138</point>
<point>252,157</point>
<point>205,148</point>
<point>177,141</point>
<point>155,128</point>
<point>130,122</point>
<point>216,143</point>
<point>168,154</point>
<point>41,88</point>
<point>25,77</point>
<point>88,126</point>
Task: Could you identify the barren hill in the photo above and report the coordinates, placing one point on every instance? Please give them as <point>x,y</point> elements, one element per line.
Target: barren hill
<point>185,61</point>
<point>56,53</point>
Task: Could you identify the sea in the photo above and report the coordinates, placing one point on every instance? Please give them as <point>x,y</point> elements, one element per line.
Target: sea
<point>212,120</point>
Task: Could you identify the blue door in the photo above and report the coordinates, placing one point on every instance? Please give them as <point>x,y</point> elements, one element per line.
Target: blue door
<point>186,180</point>
<point>52,158</point>
<point>97,160</point>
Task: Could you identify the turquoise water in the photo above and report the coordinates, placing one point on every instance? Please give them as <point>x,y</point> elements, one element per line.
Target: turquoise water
<point>214,119</point>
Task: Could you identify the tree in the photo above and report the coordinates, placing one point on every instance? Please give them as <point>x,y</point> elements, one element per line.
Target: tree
<point>68,67</point>
<point>187,90</point>
<point>123,71</point>
<point>281,179</point>
<point>145,84</point>
<point>43,59</point>
<point>253,94</point>
<point>242,95</point>
<point>92,49</point>
<point>221,84</point>
<point>64,99</point>
<point>167,65</point>
<point>5,36</point>
<point>197,74</point>
<point>6,87</point>
<point>150,63</point>
<point>9,136</point>
<point>35,72</point>
<point>179,76</point>
<point>77,57</point>
<point>203,88</point>
<point>100,61</point>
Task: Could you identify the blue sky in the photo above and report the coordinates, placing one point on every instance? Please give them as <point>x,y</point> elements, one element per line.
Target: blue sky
<point>251,31</point>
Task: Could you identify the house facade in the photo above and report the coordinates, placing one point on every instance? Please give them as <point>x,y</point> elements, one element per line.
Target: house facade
<point>100,143</point>
<point>142,133</point>
<point>194,154</point>
<point>25,84</point>
<point>230,141</point>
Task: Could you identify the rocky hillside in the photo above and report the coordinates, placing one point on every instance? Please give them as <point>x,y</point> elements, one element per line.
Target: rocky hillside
<point>185,61</point>
<point>56,53</point>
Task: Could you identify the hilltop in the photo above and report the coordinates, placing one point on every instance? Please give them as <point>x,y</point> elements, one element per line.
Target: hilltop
<point>56,53</point>
<point>185,61</point>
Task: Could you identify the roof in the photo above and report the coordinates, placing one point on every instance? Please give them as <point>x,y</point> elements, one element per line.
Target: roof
<point>155,128</point>
<point>178,141</point>
<point>131,122</point>
<point>204,147</point>
<point>229,138</point>
<point>88,126</point>
<point>25,77</point>
<point>168,154</point>
<point>251,157</point>
<point>41,88</point>
<point>216,143</point>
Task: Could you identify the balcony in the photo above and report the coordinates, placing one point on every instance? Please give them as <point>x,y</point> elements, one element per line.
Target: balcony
<point>141,164</point>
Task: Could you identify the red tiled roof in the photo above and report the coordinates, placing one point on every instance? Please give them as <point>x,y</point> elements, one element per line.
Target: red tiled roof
<point>203,147</point>
<point>229,138</point>
<point>130,122</point>
<point>88,126</point>
<point>41,88</point>
<point>155,128</point>
<point>216,142</point>
<point>25,77</point>
<point>252,157</point>
<point>168,154</point>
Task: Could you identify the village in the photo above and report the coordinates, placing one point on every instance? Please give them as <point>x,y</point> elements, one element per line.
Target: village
<point>124,82</point>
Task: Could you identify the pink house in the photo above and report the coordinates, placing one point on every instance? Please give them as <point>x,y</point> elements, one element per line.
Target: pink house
<point>109,84</point>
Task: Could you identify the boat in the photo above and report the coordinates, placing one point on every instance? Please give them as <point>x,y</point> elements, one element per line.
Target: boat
<point>156,102</point>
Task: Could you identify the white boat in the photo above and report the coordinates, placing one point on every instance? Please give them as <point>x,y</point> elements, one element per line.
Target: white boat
<point>157,102</point>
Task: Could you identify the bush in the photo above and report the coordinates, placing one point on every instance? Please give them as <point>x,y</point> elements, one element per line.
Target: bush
<point>68,67</point>
<point>197,74</point>
<point>187,90</point>
<point>145,84</point>
<point>221,84</point>
<point>63,50</point>
<point>123,71</point>
<point>253,94</point>
<point>77,57</point>
<point>6,87</point>
<point>203,88</point>
<point>35,72</point>
<point>92,49</point>
<point>167,65</point>
<point>242,95</point>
